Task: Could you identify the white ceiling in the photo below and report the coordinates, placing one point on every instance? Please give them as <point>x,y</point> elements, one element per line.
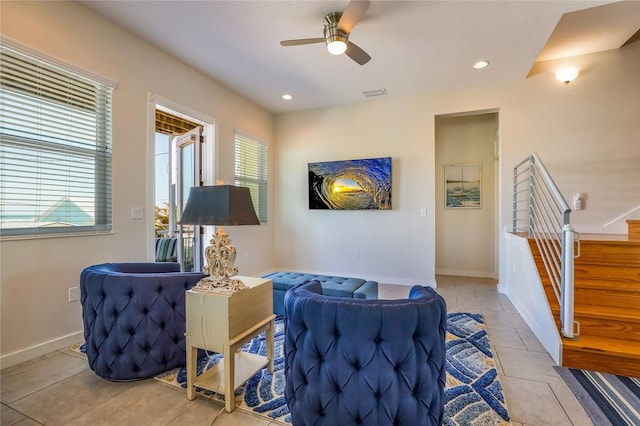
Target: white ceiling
<point>416,46</point>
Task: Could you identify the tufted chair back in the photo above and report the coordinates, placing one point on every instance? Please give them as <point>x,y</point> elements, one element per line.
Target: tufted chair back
<point>370,362</point>
<point>134,318</point>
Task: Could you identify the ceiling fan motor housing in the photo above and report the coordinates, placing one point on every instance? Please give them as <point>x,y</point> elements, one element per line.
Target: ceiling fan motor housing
<point>331,31</point>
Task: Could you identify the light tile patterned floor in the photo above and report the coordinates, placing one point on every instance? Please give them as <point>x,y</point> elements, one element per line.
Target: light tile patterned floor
<point>59,388</point>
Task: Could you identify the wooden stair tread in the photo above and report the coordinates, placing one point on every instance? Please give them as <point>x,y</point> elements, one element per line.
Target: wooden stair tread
<point>603,345</point>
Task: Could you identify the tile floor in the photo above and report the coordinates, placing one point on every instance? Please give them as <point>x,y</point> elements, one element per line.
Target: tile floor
<point>60,389</point>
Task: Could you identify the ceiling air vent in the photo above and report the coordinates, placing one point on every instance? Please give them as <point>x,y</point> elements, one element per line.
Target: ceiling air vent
<point>372,93</point>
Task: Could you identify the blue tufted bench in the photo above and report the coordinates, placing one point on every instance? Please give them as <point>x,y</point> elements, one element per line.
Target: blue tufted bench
<point>354,288</point>
<point>134,318</point>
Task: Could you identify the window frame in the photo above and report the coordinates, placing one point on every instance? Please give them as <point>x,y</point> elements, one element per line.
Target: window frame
<point>97,154</point>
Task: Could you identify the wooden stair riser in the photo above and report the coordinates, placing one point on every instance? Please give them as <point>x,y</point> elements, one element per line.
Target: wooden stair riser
<point>603,327</point>
<point>609,284</point>
<point>602,293</point>
<point>594,272</point>
<point>603,297</point>
<point>630,275</point>
<point>611,253</point>
<point>624,328</point>
<point>600,361</point>
<point>634,229</point>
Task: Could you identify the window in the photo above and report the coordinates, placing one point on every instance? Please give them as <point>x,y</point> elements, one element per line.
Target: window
<point>55,148</point>
<point>251,171</point>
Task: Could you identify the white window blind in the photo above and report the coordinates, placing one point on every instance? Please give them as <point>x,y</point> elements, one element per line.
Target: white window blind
<point>251,162</point>
<point>55,148</point>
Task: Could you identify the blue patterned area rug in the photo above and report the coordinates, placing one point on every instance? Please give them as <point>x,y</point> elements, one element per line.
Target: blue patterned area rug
<point>473,391</point>
<point>606,398</point>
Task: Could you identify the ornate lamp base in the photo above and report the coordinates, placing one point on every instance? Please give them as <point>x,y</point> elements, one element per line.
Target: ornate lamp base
<point>221,257</point>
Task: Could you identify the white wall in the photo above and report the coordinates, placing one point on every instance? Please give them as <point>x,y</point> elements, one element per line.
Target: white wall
<point>587,134</point>
<point>393,246</point>
<point>36,274</point>
<point>466,237</point>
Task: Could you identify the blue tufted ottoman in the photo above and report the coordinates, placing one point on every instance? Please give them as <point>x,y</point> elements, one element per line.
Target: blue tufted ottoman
<point>134,318</point>
<point>354,288</point>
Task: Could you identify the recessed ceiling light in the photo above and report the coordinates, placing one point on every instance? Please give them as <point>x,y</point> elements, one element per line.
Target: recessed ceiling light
<point>481,64</point>
<point>287,97</point>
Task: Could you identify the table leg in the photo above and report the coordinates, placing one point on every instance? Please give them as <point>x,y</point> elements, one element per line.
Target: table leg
<point>229,379</point>
<point>192,364</point>
<point>269,335</point>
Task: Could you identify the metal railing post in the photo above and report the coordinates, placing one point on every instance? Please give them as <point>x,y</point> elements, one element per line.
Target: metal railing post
<point>568,237</point>
<point>532,194</point>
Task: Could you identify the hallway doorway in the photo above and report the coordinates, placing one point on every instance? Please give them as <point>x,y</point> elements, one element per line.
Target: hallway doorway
<point>466,160</point>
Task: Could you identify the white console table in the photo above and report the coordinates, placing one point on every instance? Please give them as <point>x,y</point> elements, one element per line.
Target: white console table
<point>223,323</point>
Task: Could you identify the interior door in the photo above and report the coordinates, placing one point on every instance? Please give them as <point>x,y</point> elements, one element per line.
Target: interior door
<point>187,172</point>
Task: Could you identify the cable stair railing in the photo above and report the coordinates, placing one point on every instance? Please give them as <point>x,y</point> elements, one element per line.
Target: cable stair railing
<point>540,211</point>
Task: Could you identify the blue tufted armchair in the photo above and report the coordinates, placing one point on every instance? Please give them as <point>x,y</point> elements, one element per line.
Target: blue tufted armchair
<point>134,318</point>
<point>370,362</point>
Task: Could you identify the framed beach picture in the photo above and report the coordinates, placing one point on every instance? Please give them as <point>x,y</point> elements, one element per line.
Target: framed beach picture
<point>462,186</point>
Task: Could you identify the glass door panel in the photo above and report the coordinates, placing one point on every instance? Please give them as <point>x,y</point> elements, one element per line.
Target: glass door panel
<point>187,173</point>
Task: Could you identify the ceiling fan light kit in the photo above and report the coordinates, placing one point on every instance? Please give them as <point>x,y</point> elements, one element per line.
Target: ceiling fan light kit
<point>336,39</point>
<point>337,27</point>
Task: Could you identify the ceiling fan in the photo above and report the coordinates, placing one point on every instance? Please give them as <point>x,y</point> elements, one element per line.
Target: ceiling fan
<point>337,28</point>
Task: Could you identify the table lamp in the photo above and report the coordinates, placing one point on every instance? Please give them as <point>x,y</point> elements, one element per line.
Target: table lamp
<point>220,205</point>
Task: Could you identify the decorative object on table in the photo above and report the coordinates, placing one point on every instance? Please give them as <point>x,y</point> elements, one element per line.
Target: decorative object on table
<point>473,390</point>
<point>608,399</point>
<point>463,186</point>
<point>350,185</point>
<point>220,205</point>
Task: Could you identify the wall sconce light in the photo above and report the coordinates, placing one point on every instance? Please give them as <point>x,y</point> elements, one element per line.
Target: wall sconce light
<point>567,74</point>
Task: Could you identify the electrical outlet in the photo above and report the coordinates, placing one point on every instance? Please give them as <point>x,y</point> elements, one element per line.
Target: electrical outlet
<point>74,294</point>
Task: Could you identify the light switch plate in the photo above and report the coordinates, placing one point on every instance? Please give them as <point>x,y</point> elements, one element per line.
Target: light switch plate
<point>136,213</point>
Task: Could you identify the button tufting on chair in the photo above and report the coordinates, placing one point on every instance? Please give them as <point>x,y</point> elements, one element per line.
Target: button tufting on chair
<point>134,315</point>
<point>387,367</point>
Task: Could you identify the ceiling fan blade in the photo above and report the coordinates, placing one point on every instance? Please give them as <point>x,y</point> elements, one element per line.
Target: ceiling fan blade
<point>300,41</point>
<point>352,14</point>
<point>357,54</point>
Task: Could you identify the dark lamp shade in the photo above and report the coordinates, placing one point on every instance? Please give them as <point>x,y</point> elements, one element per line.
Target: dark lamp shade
<point>223,205</point>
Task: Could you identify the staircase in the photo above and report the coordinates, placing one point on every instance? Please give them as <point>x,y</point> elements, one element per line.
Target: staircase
<point>607,303</point>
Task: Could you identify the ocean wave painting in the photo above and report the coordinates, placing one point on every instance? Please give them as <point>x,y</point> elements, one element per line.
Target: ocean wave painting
<point>350,184</point>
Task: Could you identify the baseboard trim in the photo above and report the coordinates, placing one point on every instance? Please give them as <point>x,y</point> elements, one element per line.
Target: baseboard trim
<point>462,273</point>
<point>40,349</point>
